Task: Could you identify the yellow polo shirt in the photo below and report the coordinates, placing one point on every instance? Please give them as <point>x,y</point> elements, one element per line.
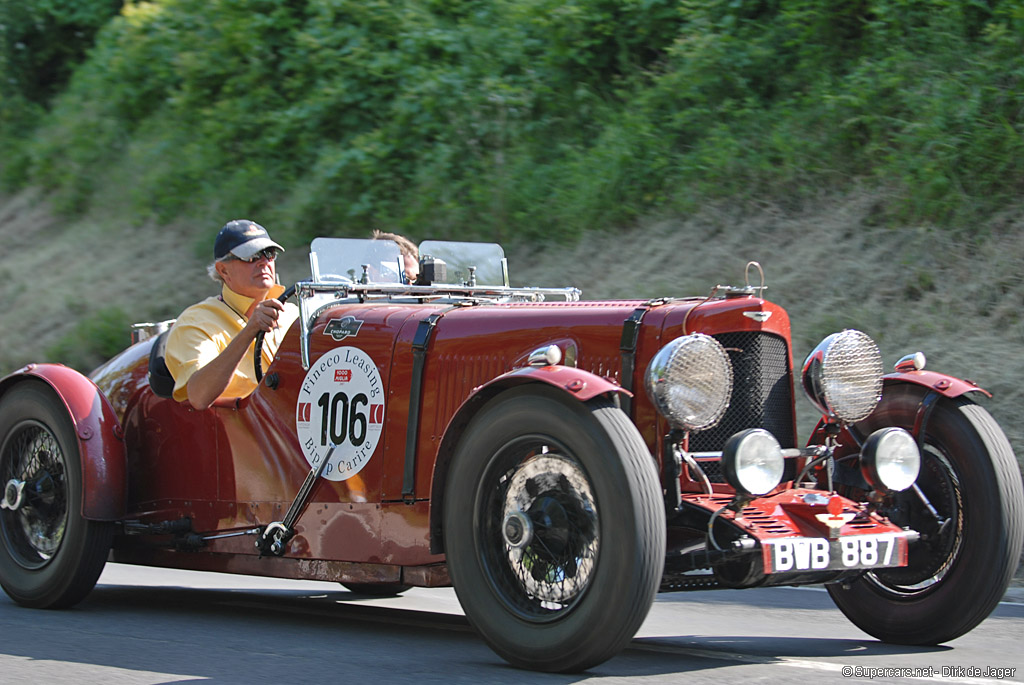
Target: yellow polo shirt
<point>205,329</point>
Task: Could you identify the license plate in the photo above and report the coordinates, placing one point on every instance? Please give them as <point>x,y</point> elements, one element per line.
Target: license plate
<point>784,555</point>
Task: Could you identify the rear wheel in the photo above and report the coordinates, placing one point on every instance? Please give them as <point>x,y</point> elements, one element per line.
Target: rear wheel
<point>969,546</point>
<point>50,557</point>
<point>554,532</point>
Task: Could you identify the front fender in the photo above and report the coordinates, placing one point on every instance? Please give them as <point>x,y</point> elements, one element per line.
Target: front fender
<point>940,383</point>
<point>577,384</point>
<point>944,384</point>
<point>582,385</point>
<point>100,438</point>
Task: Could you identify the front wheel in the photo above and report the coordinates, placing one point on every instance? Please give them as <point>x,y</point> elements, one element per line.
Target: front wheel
<point>970,545</point>
<point>554,533</point>
<point>50,557</point>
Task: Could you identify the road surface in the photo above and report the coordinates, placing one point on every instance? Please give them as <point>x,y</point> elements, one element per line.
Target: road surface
<point>143,625</point>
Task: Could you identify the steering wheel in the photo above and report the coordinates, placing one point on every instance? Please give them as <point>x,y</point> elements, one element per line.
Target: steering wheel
<point>257,358</point>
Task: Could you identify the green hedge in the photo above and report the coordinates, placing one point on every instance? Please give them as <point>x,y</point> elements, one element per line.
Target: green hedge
<point>533,119</point>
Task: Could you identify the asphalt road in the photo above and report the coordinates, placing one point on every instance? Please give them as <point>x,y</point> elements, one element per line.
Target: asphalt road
<point>145,625</point>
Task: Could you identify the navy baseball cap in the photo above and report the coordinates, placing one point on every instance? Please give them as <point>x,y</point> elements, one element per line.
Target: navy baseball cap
<point>243,239</point>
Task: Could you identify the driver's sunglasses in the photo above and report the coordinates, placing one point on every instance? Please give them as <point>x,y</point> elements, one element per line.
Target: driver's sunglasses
<point>270,254</point>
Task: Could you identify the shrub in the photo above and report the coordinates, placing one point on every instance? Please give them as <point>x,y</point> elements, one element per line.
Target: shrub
<point>534,118</point>
<point>95,338</point>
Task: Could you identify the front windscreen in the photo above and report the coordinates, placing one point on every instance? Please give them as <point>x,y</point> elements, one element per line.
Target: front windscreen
<point>459,256</point>
<point>344,260</point>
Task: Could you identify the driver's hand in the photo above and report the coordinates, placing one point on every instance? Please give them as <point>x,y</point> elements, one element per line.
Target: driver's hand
<point>265,315</point>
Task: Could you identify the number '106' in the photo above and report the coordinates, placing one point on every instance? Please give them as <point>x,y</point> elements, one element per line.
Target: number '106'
<point>340,418</point>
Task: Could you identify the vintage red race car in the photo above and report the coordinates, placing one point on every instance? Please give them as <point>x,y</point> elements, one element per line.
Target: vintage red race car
<point>557,461</point>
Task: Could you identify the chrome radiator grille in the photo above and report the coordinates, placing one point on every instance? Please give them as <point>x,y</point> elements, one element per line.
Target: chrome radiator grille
<point>762,393</point>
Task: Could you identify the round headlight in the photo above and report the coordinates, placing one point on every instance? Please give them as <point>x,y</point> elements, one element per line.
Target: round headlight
<point>690,381</point>
<point>752,462</point>
<point>843,376</point>
<point>890,460</point>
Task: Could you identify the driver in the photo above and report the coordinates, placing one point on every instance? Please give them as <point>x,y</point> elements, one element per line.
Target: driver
<point>210,348</point>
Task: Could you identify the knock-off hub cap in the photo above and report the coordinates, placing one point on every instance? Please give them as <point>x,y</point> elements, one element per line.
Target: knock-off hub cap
<point>12,494</point>
<point>517,529</point>
<point>550,529</point>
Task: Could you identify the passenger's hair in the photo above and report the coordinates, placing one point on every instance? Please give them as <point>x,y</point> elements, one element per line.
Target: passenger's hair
<point>406,246</point>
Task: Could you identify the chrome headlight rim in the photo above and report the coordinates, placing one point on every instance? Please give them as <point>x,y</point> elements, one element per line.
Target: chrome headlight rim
<point>890,460</point>
<point>753,462</point>
<point>689,381</point>
<point>842,376</point>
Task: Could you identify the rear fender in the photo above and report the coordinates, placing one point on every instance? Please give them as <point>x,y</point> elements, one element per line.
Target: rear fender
<point>576,384</point>
<point>100,438</point>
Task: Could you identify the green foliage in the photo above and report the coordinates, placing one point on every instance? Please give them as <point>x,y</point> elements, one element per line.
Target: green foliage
<point>501,119</point>
<point>597,42</point>
<point>41,42</point>
<point>923,97</point>
<point>95,338</point>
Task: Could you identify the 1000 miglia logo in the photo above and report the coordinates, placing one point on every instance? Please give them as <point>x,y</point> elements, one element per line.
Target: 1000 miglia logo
<point>341,403</point>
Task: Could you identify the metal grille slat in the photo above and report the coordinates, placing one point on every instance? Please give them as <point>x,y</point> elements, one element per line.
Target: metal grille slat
<point>762,395</point>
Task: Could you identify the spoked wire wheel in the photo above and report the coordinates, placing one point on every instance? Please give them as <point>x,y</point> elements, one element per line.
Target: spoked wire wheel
<point>50,556</point>
<point>553,528</point>
<point>942,531</point>
<point>34,508</point>
<point>539,531</point>
<point>970,517</point>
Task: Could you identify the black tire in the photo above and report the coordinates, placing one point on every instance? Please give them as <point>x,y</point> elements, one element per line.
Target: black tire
<point>377,589</point>
<point>50,557</point>
<point>572,594</point>
<point>957,573</point>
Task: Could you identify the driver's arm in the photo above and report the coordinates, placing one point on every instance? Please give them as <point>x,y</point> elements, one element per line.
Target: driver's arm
<point>210,381</point>
<point>204,358</point>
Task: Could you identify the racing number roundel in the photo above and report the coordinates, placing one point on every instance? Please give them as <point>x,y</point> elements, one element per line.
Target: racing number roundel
<point>341,402</point>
